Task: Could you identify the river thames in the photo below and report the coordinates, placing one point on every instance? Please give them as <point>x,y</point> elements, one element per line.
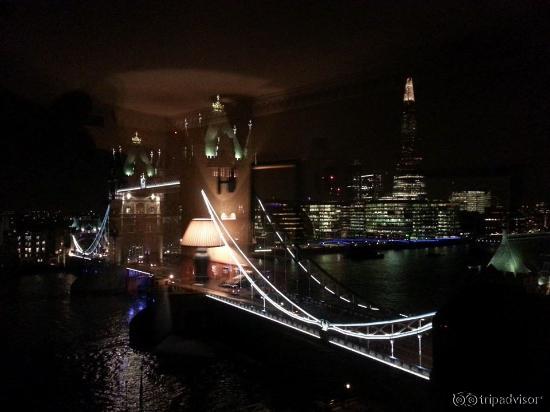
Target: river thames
<point>73,352</point>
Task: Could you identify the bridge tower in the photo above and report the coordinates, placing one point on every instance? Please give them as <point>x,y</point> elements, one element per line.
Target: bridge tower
<point>218,157</point>
<point>138,206</point>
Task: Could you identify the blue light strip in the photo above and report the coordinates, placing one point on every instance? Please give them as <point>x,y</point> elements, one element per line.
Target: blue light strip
<point>376,241</point>
<point>141,271</point>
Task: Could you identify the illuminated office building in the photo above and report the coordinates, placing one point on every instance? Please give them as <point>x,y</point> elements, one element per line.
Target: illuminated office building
<point>409,219</point>
<point>471,200</point>
<point>325,218</point>
<point>353,219</point>
<point>366,186</point>
<point>385,218</point>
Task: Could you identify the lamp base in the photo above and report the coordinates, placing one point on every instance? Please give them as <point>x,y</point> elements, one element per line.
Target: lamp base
<point>200,263</point>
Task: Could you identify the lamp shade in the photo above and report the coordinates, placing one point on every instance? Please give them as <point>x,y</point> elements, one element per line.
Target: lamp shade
<point>201,233</point>
<point>222,255</point>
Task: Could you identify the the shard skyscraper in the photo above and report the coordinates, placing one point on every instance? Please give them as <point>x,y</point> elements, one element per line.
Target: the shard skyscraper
<point>409,182</point>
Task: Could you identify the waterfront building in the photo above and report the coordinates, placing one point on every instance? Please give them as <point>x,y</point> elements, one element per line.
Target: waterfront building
<point>530,218</point>
<point>494,220</point>
<point>409,219</point>
<point>32,237</point>
<point>446,220</point>
<point>408,181</point>
<point>353,219</point>
<point>293,221</point>
<point>325,218</point>
<point>388,218</point>
<point>471,200</point>
<point>31,246</point>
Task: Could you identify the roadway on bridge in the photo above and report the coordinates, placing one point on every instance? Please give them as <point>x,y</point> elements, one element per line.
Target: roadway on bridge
<point>405,350</point>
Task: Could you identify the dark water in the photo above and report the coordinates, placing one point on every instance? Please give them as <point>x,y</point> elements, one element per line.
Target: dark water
<point>410,281</point>
<point>63,352</point>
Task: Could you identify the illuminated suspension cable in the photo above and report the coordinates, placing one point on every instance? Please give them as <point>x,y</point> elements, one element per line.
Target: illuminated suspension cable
<point>219,224</point>
<point>387,322</point>
<point>100,234</point>
<point>338,326</point>
<point>295,258</point>
<point>388,336</point>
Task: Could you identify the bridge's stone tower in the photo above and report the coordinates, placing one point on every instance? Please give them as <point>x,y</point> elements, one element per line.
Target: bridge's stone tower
<point>217,158</point>
<point>138,218</point>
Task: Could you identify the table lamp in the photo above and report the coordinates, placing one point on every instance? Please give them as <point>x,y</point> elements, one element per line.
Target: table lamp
<point>201,233</point>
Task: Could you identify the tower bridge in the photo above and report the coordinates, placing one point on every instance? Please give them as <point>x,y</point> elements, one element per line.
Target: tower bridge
<point>341,318</point>
<point>219,159</point>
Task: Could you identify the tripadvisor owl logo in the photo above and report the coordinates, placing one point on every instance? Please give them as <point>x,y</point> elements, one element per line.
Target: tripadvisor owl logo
<point>468,399</point>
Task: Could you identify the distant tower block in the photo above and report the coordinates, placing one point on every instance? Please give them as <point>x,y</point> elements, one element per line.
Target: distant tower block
<point>409,182</point>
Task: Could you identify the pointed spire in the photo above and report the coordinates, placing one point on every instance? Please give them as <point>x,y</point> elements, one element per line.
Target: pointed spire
<point>217,106</point>
<point>136,139</point>
<point>409,90</point>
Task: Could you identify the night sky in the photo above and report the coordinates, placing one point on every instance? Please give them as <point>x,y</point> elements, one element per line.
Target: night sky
<point>480,76</point>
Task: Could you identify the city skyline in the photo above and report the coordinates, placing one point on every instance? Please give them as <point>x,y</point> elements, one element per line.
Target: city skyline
<point>326,161</point>
<point>480,105</point>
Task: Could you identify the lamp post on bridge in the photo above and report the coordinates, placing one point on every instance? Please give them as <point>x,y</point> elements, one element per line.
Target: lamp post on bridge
<point>420,344</point>
<point>391,343</point>
<point>419,350</point>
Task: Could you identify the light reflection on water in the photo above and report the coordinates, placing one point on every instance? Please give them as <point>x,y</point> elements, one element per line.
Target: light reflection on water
<point>73,352</point>
<point>64,352</point>
<point>139,303</point>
